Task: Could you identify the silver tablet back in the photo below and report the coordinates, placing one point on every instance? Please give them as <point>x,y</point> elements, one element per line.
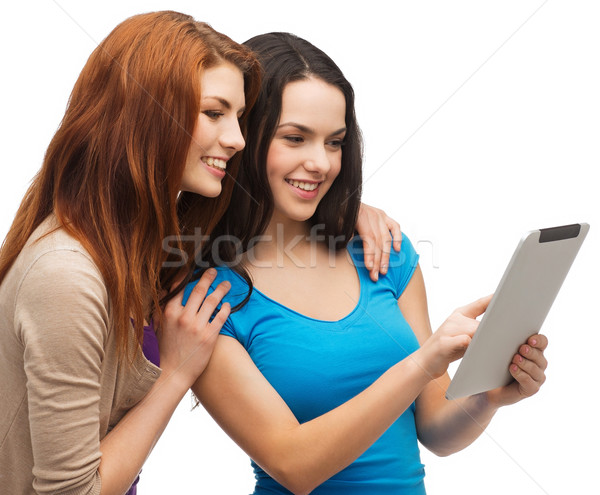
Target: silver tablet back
<point>518,308</point>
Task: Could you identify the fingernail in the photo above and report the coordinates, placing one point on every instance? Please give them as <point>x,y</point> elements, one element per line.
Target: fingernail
<point>534,342</point>
<point>526,350</point>
<point>514,368</point>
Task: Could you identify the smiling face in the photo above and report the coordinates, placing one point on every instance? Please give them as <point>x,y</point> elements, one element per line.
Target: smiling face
<point>217,135</point>
<point>305,155</point>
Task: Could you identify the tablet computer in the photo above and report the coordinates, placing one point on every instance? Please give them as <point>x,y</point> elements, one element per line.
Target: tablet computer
<point>518,308</point>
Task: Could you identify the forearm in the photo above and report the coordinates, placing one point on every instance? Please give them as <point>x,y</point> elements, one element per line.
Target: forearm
<point>186,340</point>
<point>303,456</point>
<point>455,424</point>
<point>128,445</point>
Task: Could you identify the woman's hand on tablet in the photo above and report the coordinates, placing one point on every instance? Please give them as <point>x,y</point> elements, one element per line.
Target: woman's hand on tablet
<point>451,340</point>
<point>528,369</point>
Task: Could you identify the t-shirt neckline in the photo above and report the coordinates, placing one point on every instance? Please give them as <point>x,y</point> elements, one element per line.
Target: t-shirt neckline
<point>357,310</point>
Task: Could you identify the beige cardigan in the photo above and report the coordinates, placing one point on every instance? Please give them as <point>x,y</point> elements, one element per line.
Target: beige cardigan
<point>62,388</point>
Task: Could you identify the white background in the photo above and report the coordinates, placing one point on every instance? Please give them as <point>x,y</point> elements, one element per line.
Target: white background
<point>481,121</point>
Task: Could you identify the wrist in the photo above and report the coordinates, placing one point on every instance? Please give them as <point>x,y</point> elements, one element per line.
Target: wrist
<point>175,380</point>
<point>423,364</point>
<point>417,363</point>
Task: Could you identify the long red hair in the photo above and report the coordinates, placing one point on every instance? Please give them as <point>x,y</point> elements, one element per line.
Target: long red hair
<point>112,171</point>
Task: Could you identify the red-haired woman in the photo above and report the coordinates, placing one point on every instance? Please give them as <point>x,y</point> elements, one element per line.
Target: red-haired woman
<point>140,159</point>
<point>138,173</point>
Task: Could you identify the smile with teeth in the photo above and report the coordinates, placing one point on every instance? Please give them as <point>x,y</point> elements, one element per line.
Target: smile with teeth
<point>214,162</point>
<point>305,186</point>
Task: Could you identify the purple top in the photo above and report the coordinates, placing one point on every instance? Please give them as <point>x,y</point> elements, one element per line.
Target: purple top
<point>150,344</point>
<point>150,349</point>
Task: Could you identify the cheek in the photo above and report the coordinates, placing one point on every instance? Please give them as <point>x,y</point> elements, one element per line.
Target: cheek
<point>203,136</point>
<point>275,162</point>
<point>336,167</point>
<point>334,171</point>
<point>198,130</point>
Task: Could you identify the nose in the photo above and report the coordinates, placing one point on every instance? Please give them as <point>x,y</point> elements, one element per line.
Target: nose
<point>317,160</point>
<point>232,137</point>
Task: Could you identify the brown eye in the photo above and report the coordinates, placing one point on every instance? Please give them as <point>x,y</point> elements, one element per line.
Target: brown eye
<point>336,143</point>
<point>213,114</point>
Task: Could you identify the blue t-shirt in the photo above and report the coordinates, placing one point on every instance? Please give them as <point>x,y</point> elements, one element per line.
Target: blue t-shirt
<point>318,365</point>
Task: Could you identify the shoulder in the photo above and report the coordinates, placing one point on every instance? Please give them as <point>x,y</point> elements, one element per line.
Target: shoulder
<point>406,258</point>
<point>237,293</point>
<point>54,293</point>
<point>57,261</point>
<point>50,262</point>
<point>402,264</point>
<point>62,268</point>
<point>55,282</point>
<point>239,323</point>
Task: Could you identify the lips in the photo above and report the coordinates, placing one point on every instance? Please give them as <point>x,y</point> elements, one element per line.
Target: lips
<point>304,190</point>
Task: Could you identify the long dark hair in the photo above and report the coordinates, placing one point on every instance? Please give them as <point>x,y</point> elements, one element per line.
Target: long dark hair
<point>286,58</point>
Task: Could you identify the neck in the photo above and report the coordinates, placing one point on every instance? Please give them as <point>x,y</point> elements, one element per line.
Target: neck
<point>283,229</point>
<point>286,242</point>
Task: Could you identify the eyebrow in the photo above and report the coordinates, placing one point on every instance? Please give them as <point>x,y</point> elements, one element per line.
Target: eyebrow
<point>224,102</point>
<point>308,130</point>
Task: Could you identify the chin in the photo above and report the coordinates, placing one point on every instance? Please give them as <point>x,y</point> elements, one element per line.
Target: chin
<point>301,217</point>
<point>207,192</point>
<point>210,194</point>
<point>293,212</point>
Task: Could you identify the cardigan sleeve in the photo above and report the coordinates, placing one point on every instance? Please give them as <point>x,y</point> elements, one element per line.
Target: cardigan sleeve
<point>62,320</point>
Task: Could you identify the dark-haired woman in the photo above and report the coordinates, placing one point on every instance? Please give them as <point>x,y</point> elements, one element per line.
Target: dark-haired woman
<point>323,377</point>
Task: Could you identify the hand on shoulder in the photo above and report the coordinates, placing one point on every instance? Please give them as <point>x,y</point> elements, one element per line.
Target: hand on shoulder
<point>379,233</point>
<point>187,335</point>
